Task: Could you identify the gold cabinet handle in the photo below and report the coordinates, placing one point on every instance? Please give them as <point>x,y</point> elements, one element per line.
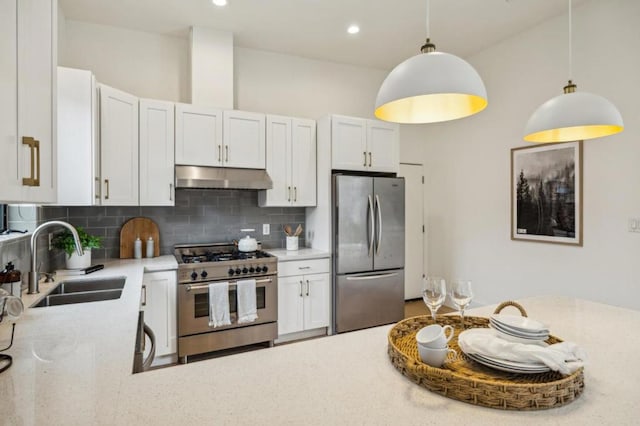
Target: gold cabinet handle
<point>307,287</point>
<point>365,158</point>
<point>295,193</point>
<point>170,192</point>
<point>226,148</point>
<point>34,151</point>
<point>219,153</point>
<point>97,188</point>
<point>369,158</point>
<point>106,182</point>
<point>288,193</point>
<point>144,295</point>
<point>301,284</point>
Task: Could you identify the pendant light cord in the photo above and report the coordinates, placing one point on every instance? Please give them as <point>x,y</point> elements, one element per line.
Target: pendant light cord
<point>427,21</point>
<point>570,44</point>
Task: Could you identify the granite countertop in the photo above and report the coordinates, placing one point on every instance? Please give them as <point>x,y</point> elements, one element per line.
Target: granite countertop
<point>301,254</point>
<point>72,365</point>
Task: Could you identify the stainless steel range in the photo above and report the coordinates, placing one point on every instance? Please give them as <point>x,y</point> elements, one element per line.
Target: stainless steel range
<point>202,264</point>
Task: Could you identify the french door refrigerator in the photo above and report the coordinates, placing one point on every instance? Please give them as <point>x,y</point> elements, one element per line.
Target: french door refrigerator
<point>368,247</point>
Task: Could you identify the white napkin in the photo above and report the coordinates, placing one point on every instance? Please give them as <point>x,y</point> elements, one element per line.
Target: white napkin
<point>246,297</point>
<point>565,357</point>
<point>219,304</point>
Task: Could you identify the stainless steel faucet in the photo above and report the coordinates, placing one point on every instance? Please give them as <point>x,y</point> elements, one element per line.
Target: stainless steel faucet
<point>33,274</point>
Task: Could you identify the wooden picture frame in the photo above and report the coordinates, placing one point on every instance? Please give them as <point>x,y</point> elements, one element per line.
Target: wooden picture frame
<point>546,193</point>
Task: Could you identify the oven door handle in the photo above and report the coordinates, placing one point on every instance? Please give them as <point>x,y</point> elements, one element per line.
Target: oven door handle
<point>203,286</point>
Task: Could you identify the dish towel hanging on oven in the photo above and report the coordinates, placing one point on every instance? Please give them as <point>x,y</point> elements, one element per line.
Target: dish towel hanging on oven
<point>247,309</point>
<point>219,304</point>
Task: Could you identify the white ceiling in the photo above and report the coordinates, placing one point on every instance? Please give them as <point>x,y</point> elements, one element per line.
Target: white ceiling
<point>391,30</point>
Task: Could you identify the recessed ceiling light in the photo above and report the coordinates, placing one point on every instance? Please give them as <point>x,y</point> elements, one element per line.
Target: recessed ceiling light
<point>219,2</point>
<point>353,29</point>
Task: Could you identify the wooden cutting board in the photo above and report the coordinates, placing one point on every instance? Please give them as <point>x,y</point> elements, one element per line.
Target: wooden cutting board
<point>142,227</point>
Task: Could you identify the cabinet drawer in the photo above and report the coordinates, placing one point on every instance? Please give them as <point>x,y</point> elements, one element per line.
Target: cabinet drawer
<point>303,267</point>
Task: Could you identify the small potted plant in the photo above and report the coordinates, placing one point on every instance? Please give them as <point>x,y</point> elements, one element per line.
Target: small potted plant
<point>65,242</point>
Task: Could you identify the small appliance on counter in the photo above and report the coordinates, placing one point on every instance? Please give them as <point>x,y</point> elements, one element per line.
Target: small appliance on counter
<point>10,279</point>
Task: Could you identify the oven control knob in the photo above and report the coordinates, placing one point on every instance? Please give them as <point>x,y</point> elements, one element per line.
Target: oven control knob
<point>194,275</point>
<point>258,269</point>
<point>204,274</point>
<point>231,271</point>
<point>245,270</point>
<point>238,271</point>
<point>252,269</point>
<point>264,268</point>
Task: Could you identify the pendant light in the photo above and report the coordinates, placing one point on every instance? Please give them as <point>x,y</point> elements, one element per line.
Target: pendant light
<point>430,87</point>
<point>573,115</point>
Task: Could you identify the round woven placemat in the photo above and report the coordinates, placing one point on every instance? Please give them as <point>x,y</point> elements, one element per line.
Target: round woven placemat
<point>471,382</point>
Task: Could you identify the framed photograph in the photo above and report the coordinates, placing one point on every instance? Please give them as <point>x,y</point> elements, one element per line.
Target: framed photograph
<point>546,193</point>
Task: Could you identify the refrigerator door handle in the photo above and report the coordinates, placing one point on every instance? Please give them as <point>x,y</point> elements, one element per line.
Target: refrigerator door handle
<point>372,277</point>
<point>371,227</point>
<point>379,209</point>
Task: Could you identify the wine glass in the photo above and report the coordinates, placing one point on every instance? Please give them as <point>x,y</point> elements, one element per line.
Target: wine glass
<point>461,294</point>
<point>434,291</point>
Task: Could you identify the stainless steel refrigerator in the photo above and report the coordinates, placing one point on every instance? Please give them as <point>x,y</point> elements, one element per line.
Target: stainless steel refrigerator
<point>368,243</point>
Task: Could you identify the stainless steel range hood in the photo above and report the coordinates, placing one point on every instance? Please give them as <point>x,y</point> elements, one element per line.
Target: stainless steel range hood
<point>221,178</point>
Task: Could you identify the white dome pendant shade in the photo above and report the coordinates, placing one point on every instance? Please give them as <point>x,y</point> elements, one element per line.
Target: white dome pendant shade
<point>429,88</point>
<point>573,116</point>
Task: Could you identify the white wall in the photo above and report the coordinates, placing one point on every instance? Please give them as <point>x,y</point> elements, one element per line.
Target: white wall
<point>144,64</point>
<point>469,166</point>
<point>155,66</point>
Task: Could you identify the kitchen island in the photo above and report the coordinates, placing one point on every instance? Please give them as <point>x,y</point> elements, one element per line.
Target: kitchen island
<point>72,365</point>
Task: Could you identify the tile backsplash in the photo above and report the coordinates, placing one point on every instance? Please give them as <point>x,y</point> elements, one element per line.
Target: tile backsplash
<point>199,216</point>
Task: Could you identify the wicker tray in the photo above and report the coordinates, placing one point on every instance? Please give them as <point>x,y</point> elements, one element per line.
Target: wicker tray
<point>471,382</point>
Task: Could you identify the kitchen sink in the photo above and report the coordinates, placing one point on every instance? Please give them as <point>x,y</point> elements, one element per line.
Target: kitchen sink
<point>83,291</point>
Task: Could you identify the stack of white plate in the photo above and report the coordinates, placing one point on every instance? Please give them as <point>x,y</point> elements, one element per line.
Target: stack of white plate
<point>509,366</point>
<point>519,329</point>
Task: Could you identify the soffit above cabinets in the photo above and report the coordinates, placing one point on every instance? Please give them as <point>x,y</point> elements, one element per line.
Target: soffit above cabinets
<point>390,31</point>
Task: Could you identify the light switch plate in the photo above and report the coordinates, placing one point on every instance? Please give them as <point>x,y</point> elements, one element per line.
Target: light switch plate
<point>266,229</point>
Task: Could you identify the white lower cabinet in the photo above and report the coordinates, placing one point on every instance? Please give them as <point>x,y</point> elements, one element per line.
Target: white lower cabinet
<point>159,304</point>
<point>303,298</point>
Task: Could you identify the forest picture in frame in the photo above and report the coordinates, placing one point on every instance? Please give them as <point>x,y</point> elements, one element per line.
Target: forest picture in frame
<point>546,193</point>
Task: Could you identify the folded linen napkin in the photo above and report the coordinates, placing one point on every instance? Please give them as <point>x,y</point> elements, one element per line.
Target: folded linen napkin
<point>564,357</point>
<point>219,304</point>
<point>246,296</point>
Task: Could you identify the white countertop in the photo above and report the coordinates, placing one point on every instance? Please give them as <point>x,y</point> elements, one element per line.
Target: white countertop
<point>72,365</point>
<point>301,254</point>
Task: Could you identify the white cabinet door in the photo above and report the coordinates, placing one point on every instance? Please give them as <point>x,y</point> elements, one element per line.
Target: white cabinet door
<point>198,136</point>
<point>290,305</point>
<point>118,147</point>
<point>10,178</point>
<point>156,153</point>
<point>278,153</point>
<point>349,143</point>
<point>382,140</point>
<point>303,162</point>
<point>78,148</point>
<point>37,56</point>
<point>244,139</point>
<point>159,300</point>
<point>316,301</point>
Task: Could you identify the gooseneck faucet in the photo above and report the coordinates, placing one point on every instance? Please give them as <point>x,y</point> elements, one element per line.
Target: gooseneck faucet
<point>33,274</point>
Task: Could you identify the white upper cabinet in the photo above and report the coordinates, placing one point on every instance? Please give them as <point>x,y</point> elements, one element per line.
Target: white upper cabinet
<point>198,136</point>
<point>156,153</point>
<point>118,147</point>
<point>384,147</point>
<point>28,45</point>
<point>364,145</point>
<point>78,148</point>
<point>291,162</point>
<point>349,143</point>
<point>244,139</point>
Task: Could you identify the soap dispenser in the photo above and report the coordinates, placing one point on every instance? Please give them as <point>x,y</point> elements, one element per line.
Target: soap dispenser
<point>137,248</point>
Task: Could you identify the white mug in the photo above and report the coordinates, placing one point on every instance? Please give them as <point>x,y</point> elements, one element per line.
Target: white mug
<point>434,336</point>
<point>435,357</point>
